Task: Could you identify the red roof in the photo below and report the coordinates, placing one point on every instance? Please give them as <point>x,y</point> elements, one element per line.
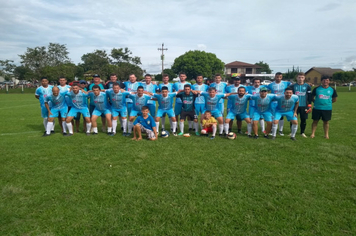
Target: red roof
<point>241,64</point>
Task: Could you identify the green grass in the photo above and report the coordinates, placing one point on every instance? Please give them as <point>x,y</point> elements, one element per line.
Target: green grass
<point>101,185</point>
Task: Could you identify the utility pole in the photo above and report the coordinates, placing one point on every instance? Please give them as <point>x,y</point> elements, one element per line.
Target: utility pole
<point>162,56</point>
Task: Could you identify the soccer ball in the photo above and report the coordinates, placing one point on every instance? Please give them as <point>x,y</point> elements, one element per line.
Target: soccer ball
<point>231,135</point>
<point>203,131</point>
<point>186,135</point>
<point>164,134</point>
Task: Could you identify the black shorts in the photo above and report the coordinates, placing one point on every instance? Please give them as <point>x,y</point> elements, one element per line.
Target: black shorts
<point>325,115</point>
<point>302,113</point>
<point>190,114</point>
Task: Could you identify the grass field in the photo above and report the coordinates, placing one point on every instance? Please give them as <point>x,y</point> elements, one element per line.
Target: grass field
<point>101,185</point>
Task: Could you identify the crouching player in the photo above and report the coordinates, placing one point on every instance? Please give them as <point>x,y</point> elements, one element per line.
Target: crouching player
<point>59,106</point>
<point>145,124</point>
<point>209,124</point>
<point>101,107</point>
<point>287,105</point>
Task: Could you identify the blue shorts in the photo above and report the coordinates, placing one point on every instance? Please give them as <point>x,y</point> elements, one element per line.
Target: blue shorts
<point>177,108</point>
<point>74,111</point>
<point>273,107</point>
<point>135,113</point>
<point>289,114</point>
<point>199,108</point>
<point>162,112</point>
<point>221,107</point>
<point>91,110</point>
<point>55,112</point>
<point>267,115</point>
<point>97,112</point>
<point>119,112</point>
<point>231,115</point>
<point>152,108</point>
<point>215,113</point>
<point>251,110</point>
<point>44,112</point>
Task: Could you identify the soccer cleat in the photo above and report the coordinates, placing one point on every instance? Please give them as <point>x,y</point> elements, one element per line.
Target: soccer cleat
<point>239,132</point>
<point>303,135</point>
<point>280,133</point>
<point>220,135</point>
<point>110,133</point>
<point>64,134</point>
<point>212,137</point>
<point>124,134</point>
<point>273,137</point>
<point>250,136</point>
<point>69,134</point>
<point>255,137</point>
<point>197,133</point>
<point>266,136</point>
<point>52,132</point>
<point>180,134</point>
<point>174,133</point>
<point>95,133</point>
<point>46,135</point>
<point>293,138</point>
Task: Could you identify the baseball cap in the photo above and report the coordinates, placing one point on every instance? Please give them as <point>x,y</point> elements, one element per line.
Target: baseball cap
<point>263,89</point>
<point>96,75</point>
<point>82,81</point>
<point>236,78</point>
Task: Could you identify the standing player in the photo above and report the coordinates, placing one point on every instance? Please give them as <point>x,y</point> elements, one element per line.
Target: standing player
<point>253,90</point>
<point>41,93</point>
<point>303,91</point>
<point>220,89</point>
<point>278,87</point>
<point>59,106</point>
<point>112,81</point>
<point>199,101</point>
<point>64,88</point>
<point>287,105</point>
<point>102,107</point>
<point>131,86</point>
<point>323,96</point>
<point>82,85</point>
<point>238,105</point>
<point>79,100</point>
<point>117,99</point>
<point>139,100</point>
<point>209,124</point>
<point>233,88</point>
<point>176,87</point>
<point>145,123</point>
<point>151,88</point>
<point>263,103</point>
<point>165,80</point>
<point>165,106</point>
<point>96,81</point>
<point>188,97</point>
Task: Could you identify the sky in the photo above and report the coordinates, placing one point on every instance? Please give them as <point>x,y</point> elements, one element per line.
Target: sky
<point>304,33</point>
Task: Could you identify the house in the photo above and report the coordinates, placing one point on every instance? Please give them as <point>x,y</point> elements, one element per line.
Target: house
<point>241,68</point>
<point>314,74</point>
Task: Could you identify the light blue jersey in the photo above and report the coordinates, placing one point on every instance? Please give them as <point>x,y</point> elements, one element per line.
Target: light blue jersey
<point>211,103</point>
<point>263,104</point>
<point>220,89</point>
<point>239,105</point>
<point>165,103</point>
<point>151,88</point>
<point>233,89</point>
<point>253,91</point>
<point>79,100</point>
<point>179,86</point>
<point>284,105</point>
<point>169,86</point>
<point>91,88</point>
<point>58,102</point>
<point>43,92</point>
<point>118,100</point>
<point>139,102</point>
<point>101,101</point>
<point>131,87</point>
<point>64,90</point>
<point>203,88</point>
<point>278,89</point>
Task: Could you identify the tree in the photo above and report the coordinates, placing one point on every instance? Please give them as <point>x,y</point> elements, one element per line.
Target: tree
<point>265,67</point>
<point>197,62</point>
<point>23,73</point>
<point>120,55</point>
<point>68,70</point>
<point>7,68</point>
<point>291,74</point>
<point>344,76</point>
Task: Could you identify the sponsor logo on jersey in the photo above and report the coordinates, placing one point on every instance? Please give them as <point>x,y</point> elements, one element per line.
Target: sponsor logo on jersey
<point>323,96</point>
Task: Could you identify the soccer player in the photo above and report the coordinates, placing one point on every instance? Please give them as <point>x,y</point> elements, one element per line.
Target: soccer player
<point>188,98</point>
<point>233,88</point>
<point>59,106</point>
<point>117,98</point>
<point>220,89</point>
<point>146,124</point>
<point>139,99</point>
<point>278,87</point>
<point>41,93</point>
<point>212,101</point>
<point>238,105</point>
<point>323,96</point>
<point>176,87</point>
<point>63,88</point>
<point>287,105</point>
<point>199,101</point>
<point>131,86</point>
<point>165,106</point>
<point>112,81</point>
<point>263,103</point>
<point>82,85</point>
<point>151,88</point>
<point>102,107</point>
<point>303,91</point>
<point>96,81</point>
<point>79,100</point>
<point>165,80</point>
<point>209,124</point>
<point>253,90</point>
